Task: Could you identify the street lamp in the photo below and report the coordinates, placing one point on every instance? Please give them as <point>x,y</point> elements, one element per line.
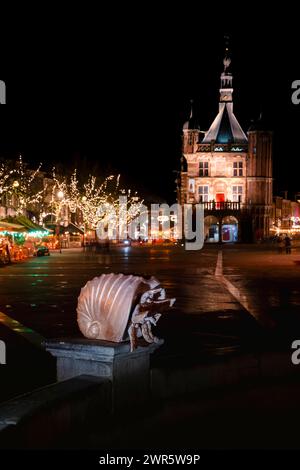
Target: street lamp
<point>60,196</point>
<point>84,199</point>
<point>16,184</point>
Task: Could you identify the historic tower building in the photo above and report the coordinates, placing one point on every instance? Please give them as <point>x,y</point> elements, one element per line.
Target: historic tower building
<point>228,172</point>
<point>259,179</point>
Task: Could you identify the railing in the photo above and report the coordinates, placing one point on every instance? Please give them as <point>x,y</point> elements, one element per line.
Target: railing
<point>224,205</point>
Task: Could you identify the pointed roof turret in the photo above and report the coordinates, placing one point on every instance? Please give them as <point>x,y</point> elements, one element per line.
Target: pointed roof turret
<point>259,124</point>
<point>225,128</point>
<point>192,123</point>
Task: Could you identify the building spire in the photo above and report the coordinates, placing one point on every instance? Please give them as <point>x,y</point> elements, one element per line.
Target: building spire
<point>226,89</point>
<point>192,122</point>
<point>225,129</point>
<point>192,110</point>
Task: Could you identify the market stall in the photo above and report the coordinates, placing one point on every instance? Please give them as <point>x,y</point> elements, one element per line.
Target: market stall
<point>70,236</point>
<point>21,236</point>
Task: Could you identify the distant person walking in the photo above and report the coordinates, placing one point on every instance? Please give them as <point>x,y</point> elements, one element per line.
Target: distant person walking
<point>8,253</point>
<point>280,244</point>
<point>288,245</point>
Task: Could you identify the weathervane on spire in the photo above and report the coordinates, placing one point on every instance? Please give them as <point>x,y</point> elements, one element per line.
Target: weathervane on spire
<point>191,113</point>
<point>227,60</point>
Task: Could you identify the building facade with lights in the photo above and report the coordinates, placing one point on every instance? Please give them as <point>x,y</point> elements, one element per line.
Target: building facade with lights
<point>286,216</point>
<point>229,172</point>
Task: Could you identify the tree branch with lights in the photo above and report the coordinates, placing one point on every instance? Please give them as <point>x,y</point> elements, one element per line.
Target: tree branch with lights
<point>98,203</point>
<point>24,189</point>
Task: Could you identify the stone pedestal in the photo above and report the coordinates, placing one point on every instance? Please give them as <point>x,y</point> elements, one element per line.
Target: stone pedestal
<point>128,371</point>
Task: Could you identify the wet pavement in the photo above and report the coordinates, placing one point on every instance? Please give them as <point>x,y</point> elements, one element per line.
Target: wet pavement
<point>270,285</point>
<point>43,291</point>
<point>254,298</point>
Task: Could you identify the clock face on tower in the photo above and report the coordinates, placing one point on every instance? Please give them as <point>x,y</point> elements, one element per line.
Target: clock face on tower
<point>226,96</point>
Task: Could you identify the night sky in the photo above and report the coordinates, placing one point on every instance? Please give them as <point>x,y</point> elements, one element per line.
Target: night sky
<point>115,99</point>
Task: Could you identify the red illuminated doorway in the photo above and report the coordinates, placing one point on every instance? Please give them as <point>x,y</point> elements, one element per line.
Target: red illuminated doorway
<point>220,197</point>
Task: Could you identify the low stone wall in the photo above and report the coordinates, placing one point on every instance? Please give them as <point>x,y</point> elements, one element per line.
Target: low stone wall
<point>64,414</point>
<point>55,416</point>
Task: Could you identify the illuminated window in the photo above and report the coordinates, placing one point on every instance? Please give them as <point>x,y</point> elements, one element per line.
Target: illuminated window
<point>203,193</point>
<point>190,139</point>
<point>203,169</point>
<point>237,168</point>
<point>237,193</point>
<point>192,185</point>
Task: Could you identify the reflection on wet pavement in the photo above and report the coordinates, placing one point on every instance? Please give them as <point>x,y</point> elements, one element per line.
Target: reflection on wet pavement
<point>267,285</point>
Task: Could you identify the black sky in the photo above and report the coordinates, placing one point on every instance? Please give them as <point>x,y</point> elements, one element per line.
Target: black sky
<point>114,91</point>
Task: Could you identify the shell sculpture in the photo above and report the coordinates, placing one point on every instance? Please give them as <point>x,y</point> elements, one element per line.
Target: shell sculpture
<point>115,307</point>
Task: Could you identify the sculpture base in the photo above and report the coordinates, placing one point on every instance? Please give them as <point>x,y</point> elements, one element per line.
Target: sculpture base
<point>128,371</point>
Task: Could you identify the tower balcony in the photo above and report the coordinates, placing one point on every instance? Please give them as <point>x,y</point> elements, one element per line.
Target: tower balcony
<point>222,205</point>
<point>224,208</point>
